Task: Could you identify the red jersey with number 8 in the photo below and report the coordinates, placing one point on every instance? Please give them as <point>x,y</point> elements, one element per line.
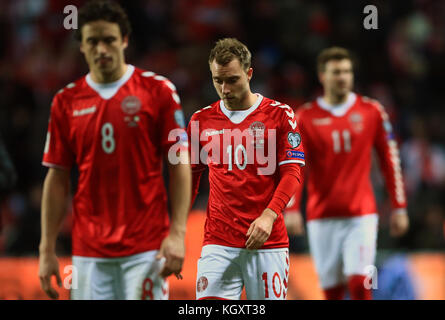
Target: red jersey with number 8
<point>117,135</point>
<point>338,142</point>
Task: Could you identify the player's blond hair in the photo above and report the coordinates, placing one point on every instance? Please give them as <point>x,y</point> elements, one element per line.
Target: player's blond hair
<point>332,53</point>
<point>227,49</point>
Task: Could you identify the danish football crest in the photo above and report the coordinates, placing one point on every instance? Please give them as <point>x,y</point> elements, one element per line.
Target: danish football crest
<point>294,139</point>
<point>257,128</point>
<point>356,121</point>
<point>131,105</point>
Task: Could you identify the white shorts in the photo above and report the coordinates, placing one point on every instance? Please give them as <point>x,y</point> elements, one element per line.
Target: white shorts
<point>224,271</point>
<point>134,277</point>
<point>342,247</point>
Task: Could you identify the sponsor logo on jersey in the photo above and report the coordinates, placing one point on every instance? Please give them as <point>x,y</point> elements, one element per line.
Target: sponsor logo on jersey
<point>202,284</point>
<point>82,112</point>
<point>294,154</point>
<point>322,121</point>
<point>131,105</point>
<point>294,139</point>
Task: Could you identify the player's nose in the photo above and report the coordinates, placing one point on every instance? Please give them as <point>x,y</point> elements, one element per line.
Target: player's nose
<point>101,47</point>
<point>225,88</point>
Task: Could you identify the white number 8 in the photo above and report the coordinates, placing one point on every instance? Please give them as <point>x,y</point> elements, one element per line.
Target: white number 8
<point>108,142</point>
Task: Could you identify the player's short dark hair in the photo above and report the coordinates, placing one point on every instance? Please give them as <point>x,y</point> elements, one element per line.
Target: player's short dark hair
<point>227,49</point>
<point>332,53</point>
<point>107,10</point>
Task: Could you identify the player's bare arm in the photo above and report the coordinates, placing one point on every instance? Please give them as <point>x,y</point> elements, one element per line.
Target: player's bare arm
<point>173,246</point>
<point>260,229</point>
<point>399,222</point>
<point>54,203</point>
<point>294,223</point>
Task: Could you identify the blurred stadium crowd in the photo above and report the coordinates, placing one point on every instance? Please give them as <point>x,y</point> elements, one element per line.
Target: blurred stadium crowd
<point>400,64</point>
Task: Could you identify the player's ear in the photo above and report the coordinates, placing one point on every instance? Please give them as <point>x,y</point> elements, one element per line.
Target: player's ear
<point>125,42</point>
<point>321,77</point>
<point>249,74</point>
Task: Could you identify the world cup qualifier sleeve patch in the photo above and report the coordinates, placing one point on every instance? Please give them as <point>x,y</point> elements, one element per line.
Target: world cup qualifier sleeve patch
<point>294,154</point>
<point>294,139</point>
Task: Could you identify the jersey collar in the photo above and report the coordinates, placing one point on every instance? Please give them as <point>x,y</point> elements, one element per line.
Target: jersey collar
<point>238,116</point>
<point>108,90</point>
<point>338,110</point>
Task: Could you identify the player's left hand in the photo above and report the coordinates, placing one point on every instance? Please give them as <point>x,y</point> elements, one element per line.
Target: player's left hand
<point>260,229</point>
<point>399,222</point>
<point>173,250</point>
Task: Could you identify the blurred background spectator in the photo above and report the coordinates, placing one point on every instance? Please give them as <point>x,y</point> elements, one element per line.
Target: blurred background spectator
<point>400,64</point>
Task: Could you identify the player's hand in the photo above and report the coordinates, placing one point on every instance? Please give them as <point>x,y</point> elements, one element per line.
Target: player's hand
<point>260,229</point>
<point>399,222</point>
<point>294,223</point>
<point>173,250</point>
<point>49,267</point>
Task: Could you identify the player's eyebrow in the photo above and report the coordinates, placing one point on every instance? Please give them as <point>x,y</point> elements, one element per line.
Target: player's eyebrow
<point>104,38</point>
<point>231,78</point>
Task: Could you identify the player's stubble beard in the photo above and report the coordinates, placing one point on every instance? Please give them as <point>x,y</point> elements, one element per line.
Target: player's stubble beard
<point>113,72</point>
<point>240,101</point>
<point>337,94</point>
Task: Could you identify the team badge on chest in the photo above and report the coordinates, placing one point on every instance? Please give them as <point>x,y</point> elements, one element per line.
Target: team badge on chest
<point>257,130</point>
<point>131,105</point>
<point>356,121</point>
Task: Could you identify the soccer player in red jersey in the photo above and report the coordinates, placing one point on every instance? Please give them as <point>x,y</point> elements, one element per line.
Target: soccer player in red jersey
<point>114,124</point>
<point>252,148</point>
<point>339,131</point>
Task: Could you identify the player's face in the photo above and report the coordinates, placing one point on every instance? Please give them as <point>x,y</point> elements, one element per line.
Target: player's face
<point>231,82</point>
<point>103,46</point>
<point>338,77</point>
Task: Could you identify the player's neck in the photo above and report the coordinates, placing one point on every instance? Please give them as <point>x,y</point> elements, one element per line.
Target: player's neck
<point>245,104</point>
<point>335,100</point>
<point>100,77</point>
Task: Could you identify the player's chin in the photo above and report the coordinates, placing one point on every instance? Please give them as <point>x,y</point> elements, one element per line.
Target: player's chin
<point>343,90</point>
<point>105,66</point>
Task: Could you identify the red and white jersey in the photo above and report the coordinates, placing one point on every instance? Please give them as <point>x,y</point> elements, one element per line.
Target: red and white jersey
<point>338,143</point>
<point>117,135</point>
<point>243,151</point>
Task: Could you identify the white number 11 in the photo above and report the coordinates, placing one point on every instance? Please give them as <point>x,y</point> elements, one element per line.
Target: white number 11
<point>337,141</point>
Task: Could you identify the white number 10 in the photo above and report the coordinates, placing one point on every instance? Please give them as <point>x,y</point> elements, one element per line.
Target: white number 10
<point>240,164</point>
<point>346,140</point>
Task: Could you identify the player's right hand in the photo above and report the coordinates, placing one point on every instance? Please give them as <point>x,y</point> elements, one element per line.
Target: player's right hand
<point>173,250</point>
<point>399,222</point>
<point>294,223</point>
<point>48,267</point>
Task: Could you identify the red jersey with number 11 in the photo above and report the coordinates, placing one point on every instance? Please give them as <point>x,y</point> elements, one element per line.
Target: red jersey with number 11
<point>117,134</point>
<point>338,142</point>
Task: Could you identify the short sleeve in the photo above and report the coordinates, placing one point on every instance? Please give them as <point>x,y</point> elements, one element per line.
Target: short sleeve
<point>57,152</point>
<point>172,118</point>
<point>194,144</point>
<point>290,144</point>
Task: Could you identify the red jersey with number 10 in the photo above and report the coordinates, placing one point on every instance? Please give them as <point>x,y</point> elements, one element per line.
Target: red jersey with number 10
<point>245,150</point>
<point>117,134</point>
<point>338,142</point>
